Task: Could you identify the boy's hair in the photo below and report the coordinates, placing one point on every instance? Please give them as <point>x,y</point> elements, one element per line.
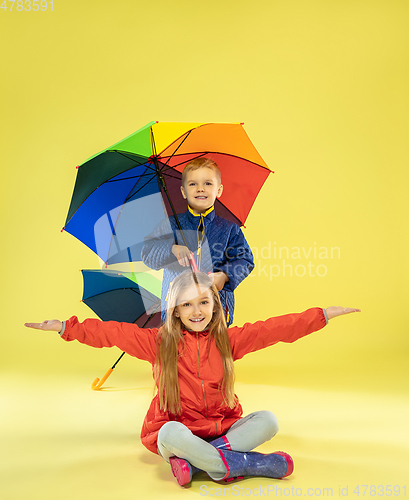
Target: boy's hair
<point>169,336</point>
<point>201,163</point>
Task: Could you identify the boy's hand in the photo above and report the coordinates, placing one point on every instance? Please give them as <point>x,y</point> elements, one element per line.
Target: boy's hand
<point>182,254</point>
<point>334,311</point>
<point>219,279</point>
<point>50,325</point>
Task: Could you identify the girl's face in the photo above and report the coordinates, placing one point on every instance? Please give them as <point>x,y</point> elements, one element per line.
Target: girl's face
<point>195,308</point>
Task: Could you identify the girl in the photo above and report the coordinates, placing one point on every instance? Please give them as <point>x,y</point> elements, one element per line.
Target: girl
<point>195,420</point>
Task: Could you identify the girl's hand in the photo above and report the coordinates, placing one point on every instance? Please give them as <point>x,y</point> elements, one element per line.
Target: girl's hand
<point>50,325</point>
<point>334,311</point>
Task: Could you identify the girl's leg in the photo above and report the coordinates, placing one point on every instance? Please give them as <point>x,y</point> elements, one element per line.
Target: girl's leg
<point>252,430</point>
<point>245,435</point>
<point>175,439</point>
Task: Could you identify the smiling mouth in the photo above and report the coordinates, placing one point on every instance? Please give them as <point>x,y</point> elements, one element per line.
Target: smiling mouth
<point>198,320</point>
<point>201,197</point>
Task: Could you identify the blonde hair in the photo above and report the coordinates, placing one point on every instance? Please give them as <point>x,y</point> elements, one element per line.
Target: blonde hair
<point>201,163</point>
<point>170,335</point>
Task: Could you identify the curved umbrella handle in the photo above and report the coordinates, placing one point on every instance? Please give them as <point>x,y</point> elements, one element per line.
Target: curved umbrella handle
<point>193,264</point>
<point>97,384</point>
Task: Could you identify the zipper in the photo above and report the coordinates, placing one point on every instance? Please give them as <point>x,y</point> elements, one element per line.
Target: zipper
<point>198,376</point>
<point>200,241</point>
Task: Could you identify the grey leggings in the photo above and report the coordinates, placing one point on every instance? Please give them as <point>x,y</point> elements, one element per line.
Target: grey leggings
<point>175,439</point>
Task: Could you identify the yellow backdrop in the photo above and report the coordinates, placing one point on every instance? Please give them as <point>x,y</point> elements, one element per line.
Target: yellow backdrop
<point>321,86</point>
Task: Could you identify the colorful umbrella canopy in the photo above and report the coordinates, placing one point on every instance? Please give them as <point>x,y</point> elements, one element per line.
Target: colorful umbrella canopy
<point>116,296</point>
<point>121,193</point>
<point>127,297</point>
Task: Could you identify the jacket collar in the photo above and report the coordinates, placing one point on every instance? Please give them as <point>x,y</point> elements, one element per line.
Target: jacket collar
<point>191,332</point>
<point>209,215</point>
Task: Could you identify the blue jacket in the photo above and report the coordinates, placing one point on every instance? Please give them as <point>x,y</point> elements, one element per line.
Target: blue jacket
<point>218,246</point>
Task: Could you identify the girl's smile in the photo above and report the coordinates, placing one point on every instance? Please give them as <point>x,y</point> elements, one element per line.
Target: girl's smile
<point>195,308</point>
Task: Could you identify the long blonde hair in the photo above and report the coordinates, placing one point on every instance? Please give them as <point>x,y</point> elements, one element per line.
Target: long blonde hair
<point>170,335</point>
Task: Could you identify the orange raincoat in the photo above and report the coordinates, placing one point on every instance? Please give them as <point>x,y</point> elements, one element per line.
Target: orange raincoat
<point>200,374</point>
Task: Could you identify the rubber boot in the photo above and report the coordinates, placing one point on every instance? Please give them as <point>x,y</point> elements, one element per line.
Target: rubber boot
<point>238,464</point>
<point>183,470</point>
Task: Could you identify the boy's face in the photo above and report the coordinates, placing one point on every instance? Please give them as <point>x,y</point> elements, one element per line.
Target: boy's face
<point>201,189</point>
<point>195,308</point>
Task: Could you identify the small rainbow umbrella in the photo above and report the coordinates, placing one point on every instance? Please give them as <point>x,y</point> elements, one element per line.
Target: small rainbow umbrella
<point>123,297</point>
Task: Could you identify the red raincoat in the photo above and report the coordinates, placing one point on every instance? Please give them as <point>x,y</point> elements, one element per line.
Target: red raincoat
<point>200,375</point>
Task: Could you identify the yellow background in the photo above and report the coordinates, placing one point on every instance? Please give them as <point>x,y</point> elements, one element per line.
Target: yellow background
<point>322,87</point>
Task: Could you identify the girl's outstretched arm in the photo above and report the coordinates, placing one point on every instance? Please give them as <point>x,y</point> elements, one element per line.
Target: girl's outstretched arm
<point>334,311</point>
<point>287,328</point>
<point>138,342</point>
<point>52,325</point>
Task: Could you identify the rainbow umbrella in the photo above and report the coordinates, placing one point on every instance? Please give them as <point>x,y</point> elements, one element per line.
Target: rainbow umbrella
<point>123,297</point>
<point>123,192</point>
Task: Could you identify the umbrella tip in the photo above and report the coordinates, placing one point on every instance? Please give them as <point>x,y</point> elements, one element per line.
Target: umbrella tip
<point>77,166</point>
<point>241,123</point>
<point>62,229</point>
<point>157,121</point>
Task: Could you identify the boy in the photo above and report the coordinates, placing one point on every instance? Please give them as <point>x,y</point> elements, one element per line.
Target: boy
<point>219,245</point>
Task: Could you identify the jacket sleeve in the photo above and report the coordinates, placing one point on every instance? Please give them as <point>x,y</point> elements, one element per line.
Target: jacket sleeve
<point>239,257</point>
<point>287,328</point>
<point>157,249</point>
<point>138,342</point>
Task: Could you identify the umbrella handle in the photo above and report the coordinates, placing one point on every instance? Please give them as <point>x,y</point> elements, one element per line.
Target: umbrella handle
<point>193,264</point>
<point>97,384</point>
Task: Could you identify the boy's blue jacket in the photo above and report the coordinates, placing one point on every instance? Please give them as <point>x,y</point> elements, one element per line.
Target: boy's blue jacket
<point>220,247</point>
